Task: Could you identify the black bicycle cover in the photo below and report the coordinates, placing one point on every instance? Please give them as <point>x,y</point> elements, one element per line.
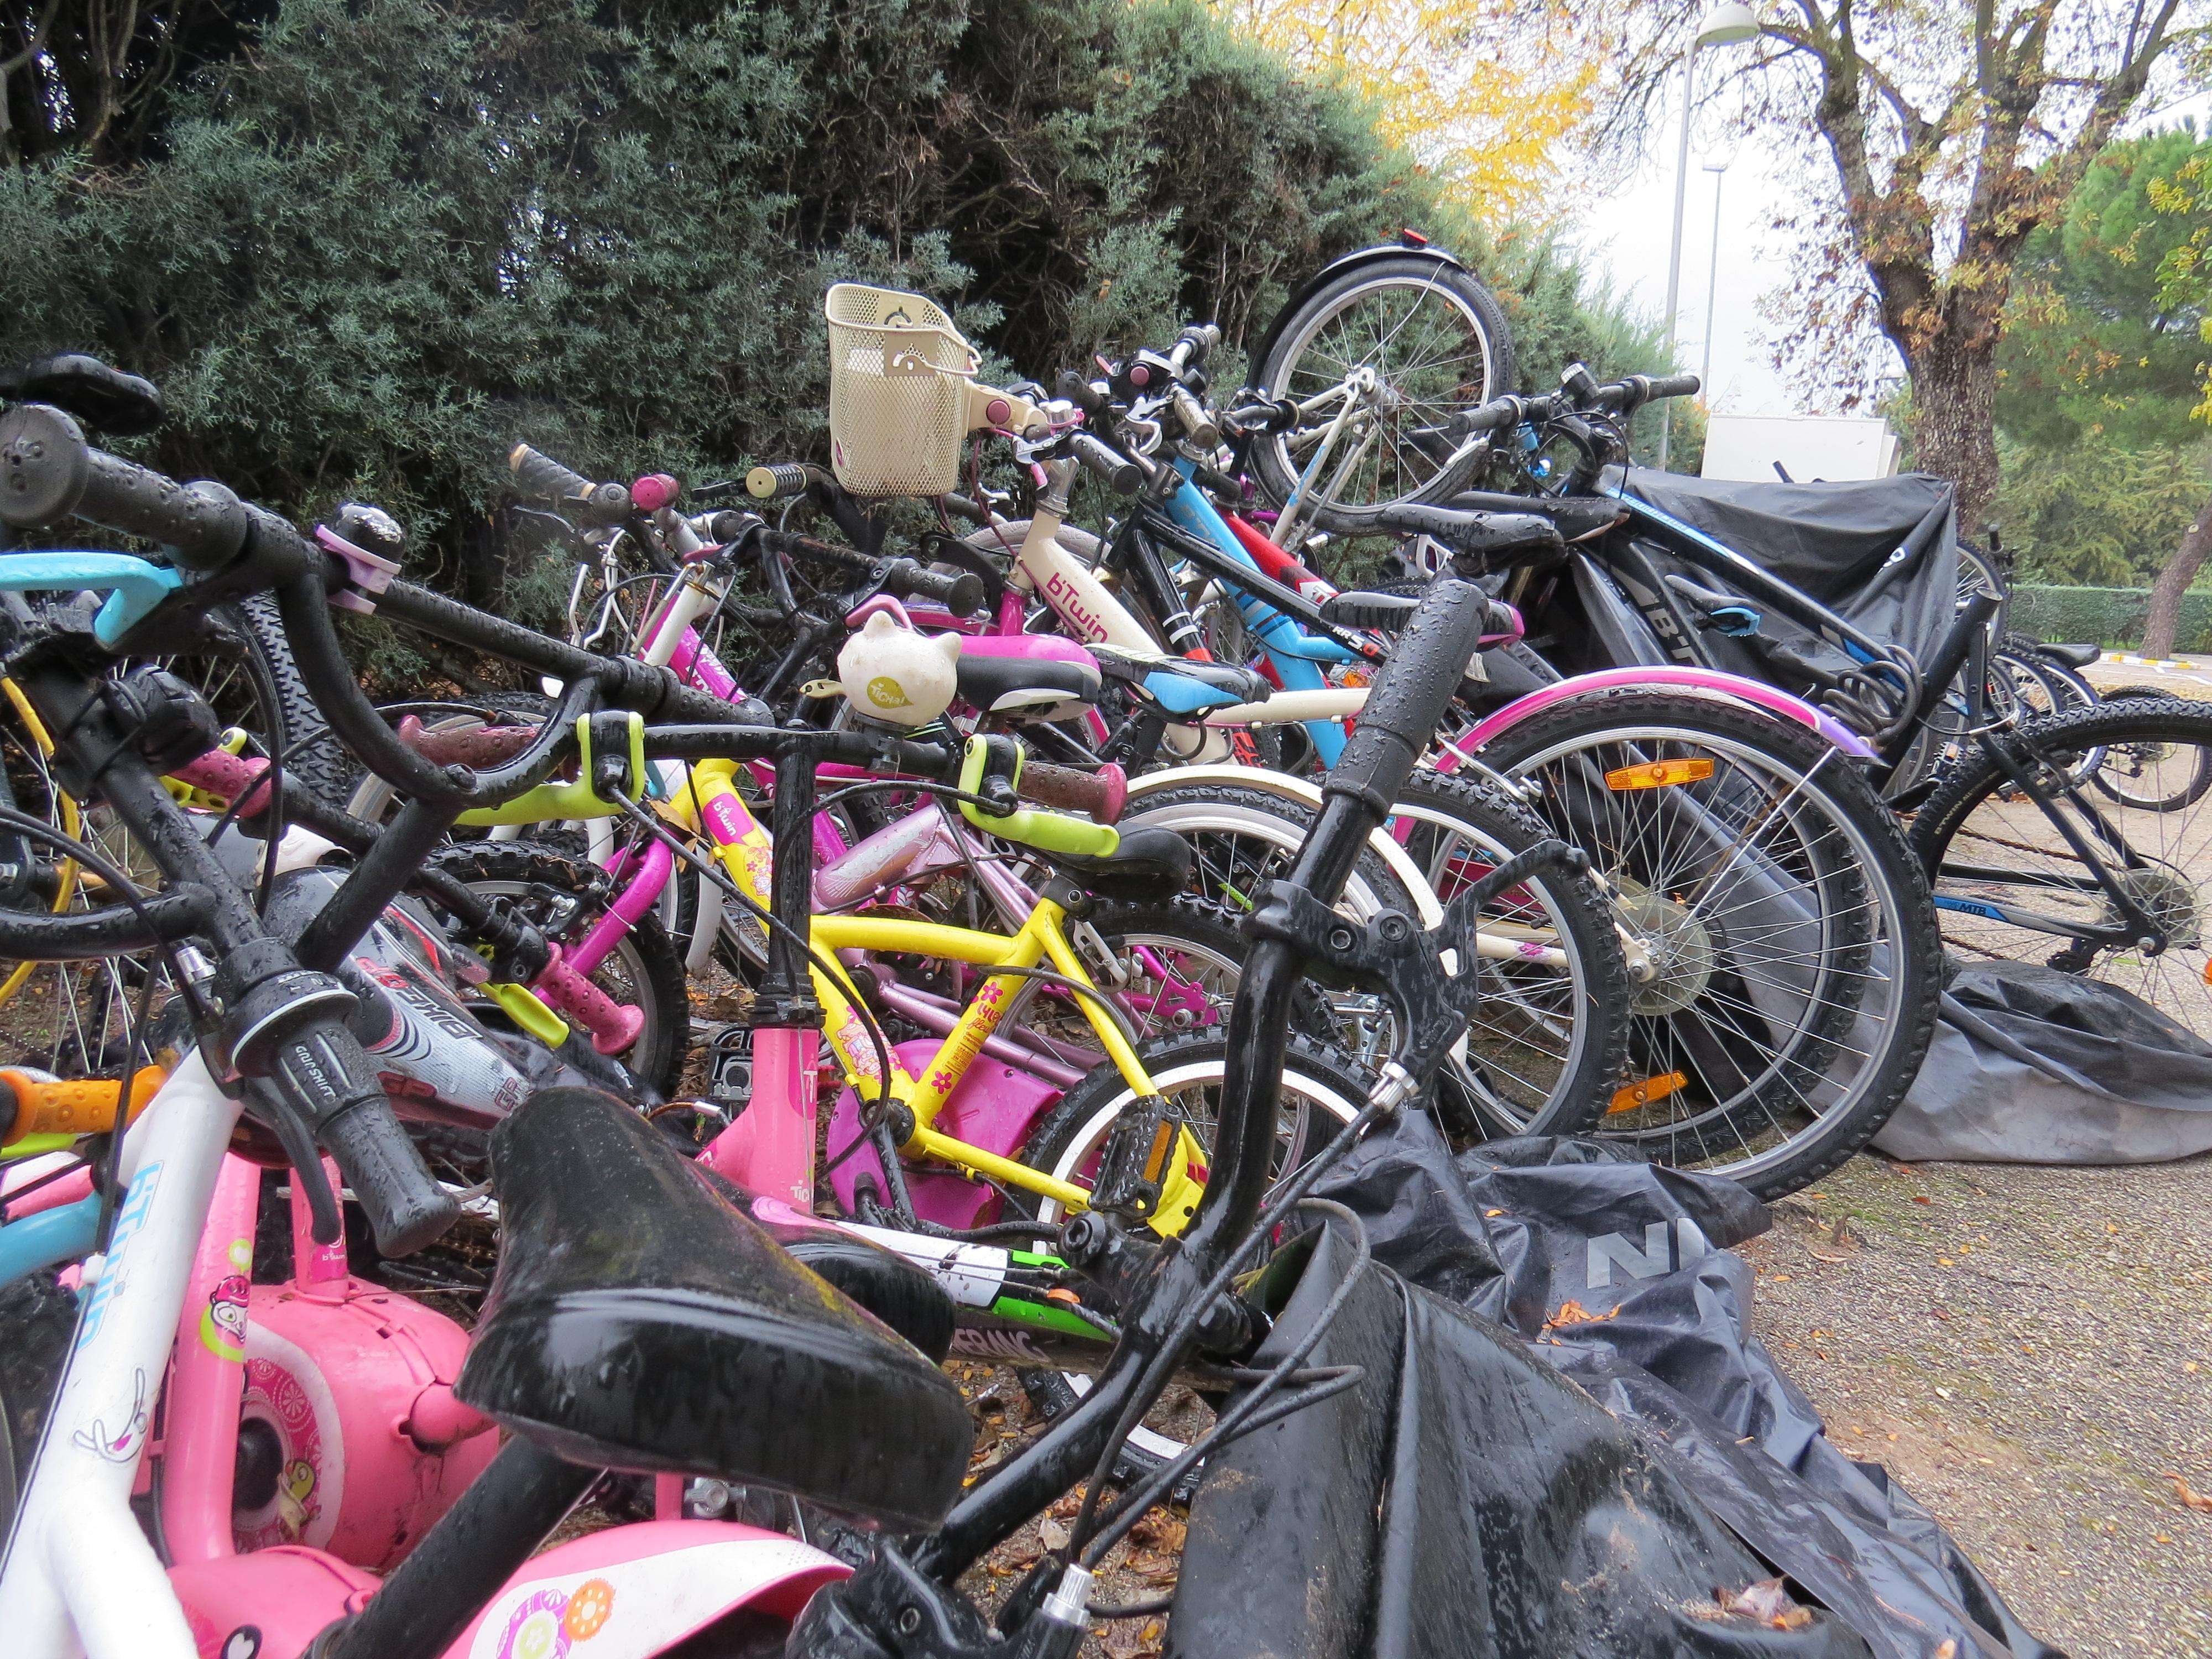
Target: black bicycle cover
<point>1566,1442</point>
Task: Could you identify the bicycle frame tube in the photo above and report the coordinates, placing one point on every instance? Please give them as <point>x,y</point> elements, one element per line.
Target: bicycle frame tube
<point>747,857</point>
<point>79,1574</point>
<point>1294,654</point>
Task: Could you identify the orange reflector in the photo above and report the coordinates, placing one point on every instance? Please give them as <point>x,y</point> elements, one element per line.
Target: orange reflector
<point>1644,1093</point>
<point>1658,774</point>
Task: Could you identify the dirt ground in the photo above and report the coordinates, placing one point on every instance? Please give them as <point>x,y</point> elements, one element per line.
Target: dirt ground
<point>2029,1351</point>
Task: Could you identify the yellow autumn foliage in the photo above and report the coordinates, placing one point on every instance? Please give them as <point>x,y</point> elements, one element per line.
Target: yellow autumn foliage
<point>1483,93</point>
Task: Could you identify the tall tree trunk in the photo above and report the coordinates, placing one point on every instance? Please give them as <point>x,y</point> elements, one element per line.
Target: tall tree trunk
<point>1954,385</point>
<point>2163,619</point>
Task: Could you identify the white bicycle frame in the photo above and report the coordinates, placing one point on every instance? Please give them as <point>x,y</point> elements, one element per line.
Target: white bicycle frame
<point>79,1577</point>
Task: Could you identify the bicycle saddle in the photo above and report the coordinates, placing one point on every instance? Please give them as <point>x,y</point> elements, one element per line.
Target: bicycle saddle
<point>1575,516</point>
<point>1034,676</point>
<point>1150,866</point>
<point>638,1322</point>
<point>1179,685</point>
<point>2073,656</point>
<point>97,395</point>
<point>1471,534</point>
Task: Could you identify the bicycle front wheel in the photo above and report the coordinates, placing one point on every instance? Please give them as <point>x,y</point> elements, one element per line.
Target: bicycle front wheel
<point>2122,842</point>
<point>1436,342</point>
<point>1788,982</point>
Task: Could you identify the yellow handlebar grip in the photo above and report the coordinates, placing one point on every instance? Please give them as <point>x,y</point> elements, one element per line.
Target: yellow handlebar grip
<point>85,1106</point>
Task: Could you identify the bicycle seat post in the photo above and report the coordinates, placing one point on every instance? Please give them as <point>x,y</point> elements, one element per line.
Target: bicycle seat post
<point>778,1126</point>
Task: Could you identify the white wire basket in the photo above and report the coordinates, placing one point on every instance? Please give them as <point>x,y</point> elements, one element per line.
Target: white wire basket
<point>899,388</point>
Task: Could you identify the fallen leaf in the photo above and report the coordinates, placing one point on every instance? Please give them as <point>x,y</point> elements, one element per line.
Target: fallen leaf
<point>1947,1649</point>
<point>1767,1602</point>
<point>1055,1533</point>
<point>2196,1500</point>
<point>1573,1313</point>
<point>1487,1214</point>
<point>1161,1530</point>
<point>1922,1197</point>
<point>1132,1638</point>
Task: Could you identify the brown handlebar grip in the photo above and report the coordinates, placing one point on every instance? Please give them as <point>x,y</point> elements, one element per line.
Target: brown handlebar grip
<point>1099,795</point>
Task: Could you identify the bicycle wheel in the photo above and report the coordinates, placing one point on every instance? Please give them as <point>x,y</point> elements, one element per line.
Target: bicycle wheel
<point>2010,886</point>
<point>1436,342</point>
<point>1790,988</point>
<point>1549,1035</point>
<point>564,896</point>
<point>1242,837</point>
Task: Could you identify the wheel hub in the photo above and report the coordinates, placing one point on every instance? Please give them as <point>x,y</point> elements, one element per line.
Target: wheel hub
<point>1682,951</point>
<point>2168,898</point>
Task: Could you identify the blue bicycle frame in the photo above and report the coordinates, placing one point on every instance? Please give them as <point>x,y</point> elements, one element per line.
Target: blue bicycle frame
<point>1295,655</point>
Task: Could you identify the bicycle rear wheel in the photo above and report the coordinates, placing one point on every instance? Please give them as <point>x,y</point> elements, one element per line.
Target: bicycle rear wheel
<point>1790,990</point>
<point>2010,886</point>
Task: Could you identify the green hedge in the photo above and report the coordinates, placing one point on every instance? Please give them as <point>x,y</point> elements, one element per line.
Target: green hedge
<point>2110,616</point>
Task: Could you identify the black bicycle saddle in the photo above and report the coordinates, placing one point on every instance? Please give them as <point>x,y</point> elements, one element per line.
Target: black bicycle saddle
<point>2073,656</point>
<point>1149,866</point>
<point>86,387</point>
<point>637,1321</point>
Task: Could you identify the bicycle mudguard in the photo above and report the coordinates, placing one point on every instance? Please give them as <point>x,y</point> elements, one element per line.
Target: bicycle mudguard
<point>630,1592</point>
<point>1762,698</point>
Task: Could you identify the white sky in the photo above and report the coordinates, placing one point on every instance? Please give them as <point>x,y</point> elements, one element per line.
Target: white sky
<point>1626,234</point>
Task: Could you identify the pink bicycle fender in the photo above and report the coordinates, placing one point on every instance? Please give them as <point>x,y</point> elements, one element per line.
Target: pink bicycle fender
<point>632,1592</point>
<point>1759,696</point>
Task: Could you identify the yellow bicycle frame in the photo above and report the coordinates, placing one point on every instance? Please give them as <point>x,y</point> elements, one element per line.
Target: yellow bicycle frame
<point>710,803</point>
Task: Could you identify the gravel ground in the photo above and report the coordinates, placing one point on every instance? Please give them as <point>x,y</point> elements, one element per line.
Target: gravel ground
<point>2030,1351</point>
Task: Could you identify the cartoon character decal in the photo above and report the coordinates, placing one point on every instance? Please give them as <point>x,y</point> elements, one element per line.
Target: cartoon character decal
<point>123,1444</point>
<point>275,1396</point>
<point>223,1325</point>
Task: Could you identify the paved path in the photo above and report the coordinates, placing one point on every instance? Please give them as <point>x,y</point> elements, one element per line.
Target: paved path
<point>2030,1351</point>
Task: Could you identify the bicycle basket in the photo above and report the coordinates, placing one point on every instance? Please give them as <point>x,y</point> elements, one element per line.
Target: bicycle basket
<point>898,391</point>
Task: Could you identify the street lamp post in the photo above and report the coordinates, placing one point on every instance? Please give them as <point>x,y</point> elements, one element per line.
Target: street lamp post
<point>1718,167</point>
<point>1725,25</point>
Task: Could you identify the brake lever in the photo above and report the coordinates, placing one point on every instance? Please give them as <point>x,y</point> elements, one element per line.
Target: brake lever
<point>326,1225</point>
<point>1402,962</point>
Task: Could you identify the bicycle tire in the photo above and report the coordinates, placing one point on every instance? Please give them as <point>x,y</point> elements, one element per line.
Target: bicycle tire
<point>1977,807</point>
<point>1720,980</point>
<point>1295,331</point>
<point>314,757</point>
<point>651,973</point>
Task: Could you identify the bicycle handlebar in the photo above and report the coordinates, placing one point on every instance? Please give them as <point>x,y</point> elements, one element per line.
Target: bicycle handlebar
<point>780,479</point>
<point>48,472</point>
<point>1099,795</point>
<point>1122,476</point>
<point>542,478</point>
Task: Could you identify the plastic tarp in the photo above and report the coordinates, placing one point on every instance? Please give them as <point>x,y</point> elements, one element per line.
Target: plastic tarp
<point>1882,555</point>
<point>2033,1066</point>
<point>1565,1441</point>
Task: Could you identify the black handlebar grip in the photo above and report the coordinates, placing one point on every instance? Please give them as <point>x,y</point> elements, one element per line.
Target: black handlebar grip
<point>1122,476</point>
<point>49,472</point>
<point>1410,693</point>
<point>1100,795</point>
<point>1497,413</point>
<point>542,478</point>
<point>324,1075</point>
<point>1080,393</point>
<point>1675,385</point>
<point>963,595</point>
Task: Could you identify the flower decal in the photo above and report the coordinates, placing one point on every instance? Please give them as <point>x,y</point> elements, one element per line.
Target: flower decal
<point>589,1610</point>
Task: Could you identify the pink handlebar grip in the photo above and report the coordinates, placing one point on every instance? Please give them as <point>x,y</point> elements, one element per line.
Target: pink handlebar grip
<point>613,1026</point>
<point>229,776</point>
